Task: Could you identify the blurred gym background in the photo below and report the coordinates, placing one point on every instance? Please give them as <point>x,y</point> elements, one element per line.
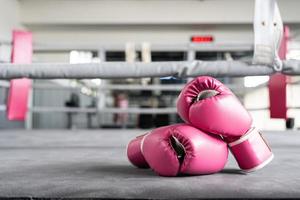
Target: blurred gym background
<point>85,31</point>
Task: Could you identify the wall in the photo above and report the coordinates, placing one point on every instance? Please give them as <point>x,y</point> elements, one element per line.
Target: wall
<point>9,20</point>
<point>259,98</point>
<point>110,35</point>
<point>167,21</point>
<point>88,12</point>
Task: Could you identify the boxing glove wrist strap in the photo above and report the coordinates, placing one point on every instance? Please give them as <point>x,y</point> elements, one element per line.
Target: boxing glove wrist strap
<point>245,137</point>
<point>251,151</point>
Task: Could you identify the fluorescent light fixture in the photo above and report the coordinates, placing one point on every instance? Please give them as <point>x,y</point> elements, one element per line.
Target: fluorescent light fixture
<point>96,81</point>
<point>253,81</point>
<point>81,57</point>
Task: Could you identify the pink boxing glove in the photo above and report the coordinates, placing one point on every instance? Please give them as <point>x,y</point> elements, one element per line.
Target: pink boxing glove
<point>134,152</point>
<point>183,149</point>
<point>210,106</point>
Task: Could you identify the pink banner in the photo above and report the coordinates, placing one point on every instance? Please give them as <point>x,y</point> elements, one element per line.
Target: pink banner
<point>277,84</point>
<point>20,88</point>
<point>277,96</point>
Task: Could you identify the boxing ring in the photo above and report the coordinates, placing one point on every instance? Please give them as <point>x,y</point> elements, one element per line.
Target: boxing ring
<point>107,70</point>
<point>93,163</point>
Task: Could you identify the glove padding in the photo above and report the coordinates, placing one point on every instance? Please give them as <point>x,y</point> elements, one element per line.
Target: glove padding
<point>182,149</point>
<point>134,153</point>
<point>210,106</point>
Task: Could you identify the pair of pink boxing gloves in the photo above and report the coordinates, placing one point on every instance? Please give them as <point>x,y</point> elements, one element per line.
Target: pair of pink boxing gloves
<point>215,120</point>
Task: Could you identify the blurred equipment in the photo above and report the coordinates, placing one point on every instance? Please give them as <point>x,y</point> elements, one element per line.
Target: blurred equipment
<point>161,119</point>
<point>91,114</point>
<point>73,102</point>
<point>290,123</point>
<point>121,102</point>
<point>146,120</point>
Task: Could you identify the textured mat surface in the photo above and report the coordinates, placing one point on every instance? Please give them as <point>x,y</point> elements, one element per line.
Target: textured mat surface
<point>94,164</point>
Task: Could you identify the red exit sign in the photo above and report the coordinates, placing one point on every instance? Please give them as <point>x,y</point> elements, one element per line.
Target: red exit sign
<point>202,39</point>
